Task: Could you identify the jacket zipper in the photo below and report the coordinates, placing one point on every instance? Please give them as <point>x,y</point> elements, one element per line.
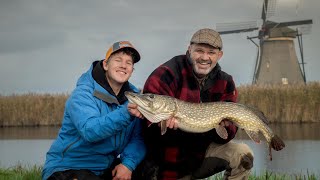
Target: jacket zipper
<point>66,149</point>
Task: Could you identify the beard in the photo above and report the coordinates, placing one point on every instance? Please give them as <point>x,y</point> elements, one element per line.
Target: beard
<point>200,71</point>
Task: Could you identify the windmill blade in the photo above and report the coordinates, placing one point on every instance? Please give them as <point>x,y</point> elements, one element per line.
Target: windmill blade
<point>230,28</point>
<point>268,9</point>
<point>304,29</point>
<point>272,4</point>
<point>238,31</point>
<point>264,11</point>
<point>289,23</point>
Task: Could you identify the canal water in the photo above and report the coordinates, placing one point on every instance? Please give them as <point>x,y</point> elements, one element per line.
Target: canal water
<point>28,146</point>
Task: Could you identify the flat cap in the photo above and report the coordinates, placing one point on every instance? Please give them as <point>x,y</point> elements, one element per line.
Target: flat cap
<point>207,36</point>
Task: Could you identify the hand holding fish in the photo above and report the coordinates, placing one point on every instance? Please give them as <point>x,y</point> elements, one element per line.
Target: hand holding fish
<point>133,110</point>
<point>226,123</point>
<point>171,123</point>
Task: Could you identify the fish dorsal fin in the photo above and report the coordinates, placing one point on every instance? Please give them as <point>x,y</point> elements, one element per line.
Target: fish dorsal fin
<point>163,127</point>
<point>259,113</point>
<point>253,135</point>
<point>222,132</point>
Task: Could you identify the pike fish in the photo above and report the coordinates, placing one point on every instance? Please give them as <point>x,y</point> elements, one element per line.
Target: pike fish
<point>203,117</point>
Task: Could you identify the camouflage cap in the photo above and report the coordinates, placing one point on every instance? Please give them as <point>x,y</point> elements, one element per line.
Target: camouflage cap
<point>207,36</point>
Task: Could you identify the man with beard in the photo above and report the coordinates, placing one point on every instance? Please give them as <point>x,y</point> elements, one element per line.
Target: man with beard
<point>194,77</point>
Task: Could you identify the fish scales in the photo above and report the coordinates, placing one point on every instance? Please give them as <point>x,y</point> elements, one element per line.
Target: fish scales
<point>203,117</point>
<point>212,113</point>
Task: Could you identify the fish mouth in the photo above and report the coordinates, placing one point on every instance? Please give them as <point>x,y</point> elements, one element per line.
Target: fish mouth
<point>138,99</point>
<point>144,106</point>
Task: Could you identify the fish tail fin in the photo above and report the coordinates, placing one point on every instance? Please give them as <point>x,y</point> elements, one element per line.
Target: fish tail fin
<point>277,143</point>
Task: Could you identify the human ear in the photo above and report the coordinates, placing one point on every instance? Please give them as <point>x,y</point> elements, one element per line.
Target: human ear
<point>189,49</point>
<point>105,65</point>
<point>220,54</point>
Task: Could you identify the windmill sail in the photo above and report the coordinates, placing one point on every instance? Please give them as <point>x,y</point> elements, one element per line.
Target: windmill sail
<point>277,61</point>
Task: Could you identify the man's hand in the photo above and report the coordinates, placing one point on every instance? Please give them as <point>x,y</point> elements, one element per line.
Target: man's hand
<point>171,123</point>
<point>121,172</point>
<point>133,110</point>
<point>226,123</point>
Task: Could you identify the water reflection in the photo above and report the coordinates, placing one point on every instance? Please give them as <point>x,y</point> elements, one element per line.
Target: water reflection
<point>285,131</point>
<point>23,152</point>
<point>43,132</point>
<point>308,131</point>
<point>28,146</point>
<point>299,156</point>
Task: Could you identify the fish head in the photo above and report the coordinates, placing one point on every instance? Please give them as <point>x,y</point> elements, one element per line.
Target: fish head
<point>155,108</point>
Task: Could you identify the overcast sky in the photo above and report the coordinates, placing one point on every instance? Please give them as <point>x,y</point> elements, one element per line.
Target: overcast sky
<point>45,45</point>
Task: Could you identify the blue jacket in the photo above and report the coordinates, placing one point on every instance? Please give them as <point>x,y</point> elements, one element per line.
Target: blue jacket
<point>95,130</point>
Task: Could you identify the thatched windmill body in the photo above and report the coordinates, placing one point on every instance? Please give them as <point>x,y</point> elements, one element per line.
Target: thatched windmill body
<point>277,61</point>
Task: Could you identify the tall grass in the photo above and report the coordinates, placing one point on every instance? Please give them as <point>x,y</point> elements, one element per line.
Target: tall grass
<point>32,109</point>
<point>284,104</point>
<point>281,104</point>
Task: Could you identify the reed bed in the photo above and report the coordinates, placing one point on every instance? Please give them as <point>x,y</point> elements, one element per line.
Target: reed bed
<point>32,109</point>
<point>280,103</point>
<point>284,103</point>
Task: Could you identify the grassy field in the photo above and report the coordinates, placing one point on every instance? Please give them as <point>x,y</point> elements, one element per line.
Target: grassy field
<point>23,173</point>
<point>34,173</point>
<point>280,103</point>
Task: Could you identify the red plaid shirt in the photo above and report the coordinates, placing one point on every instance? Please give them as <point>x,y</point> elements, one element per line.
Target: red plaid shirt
<point>179,153</point>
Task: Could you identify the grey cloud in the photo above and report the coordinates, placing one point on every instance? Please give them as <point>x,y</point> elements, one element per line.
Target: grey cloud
<point>65,36</point>
<point>28,41</point>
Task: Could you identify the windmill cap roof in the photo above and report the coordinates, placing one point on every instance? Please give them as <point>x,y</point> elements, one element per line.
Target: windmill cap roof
<point>207,36</point>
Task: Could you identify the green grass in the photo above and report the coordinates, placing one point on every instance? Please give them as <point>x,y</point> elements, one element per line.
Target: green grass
<point>273,176</point>
<point>21,173</point>
<point>34,173</point>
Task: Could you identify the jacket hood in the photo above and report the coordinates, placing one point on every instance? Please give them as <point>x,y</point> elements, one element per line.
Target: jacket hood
<point>92,80</point>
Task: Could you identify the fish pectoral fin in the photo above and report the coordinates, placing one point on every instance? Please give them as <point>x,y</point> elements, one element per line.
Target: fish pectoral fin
<point>149,123</point>
<point>163,127</point>
<point>222,132</point>
<point>253,135</point>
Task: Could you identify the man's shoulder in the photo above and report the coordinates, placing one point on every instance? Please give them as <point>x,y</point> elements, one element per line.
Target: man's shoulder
<point>176,65</point>
<point>168,72</point>
<point>176,61</point>
<point>224,75</point>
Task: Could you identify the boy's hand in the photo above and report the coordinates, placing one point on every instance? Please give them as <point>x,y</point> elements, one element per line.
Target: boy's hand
<point>133,110</point>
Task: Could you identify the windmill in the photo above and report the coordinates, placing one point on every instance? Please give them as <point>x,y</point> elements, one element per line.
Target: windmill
<point>276,61</point>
